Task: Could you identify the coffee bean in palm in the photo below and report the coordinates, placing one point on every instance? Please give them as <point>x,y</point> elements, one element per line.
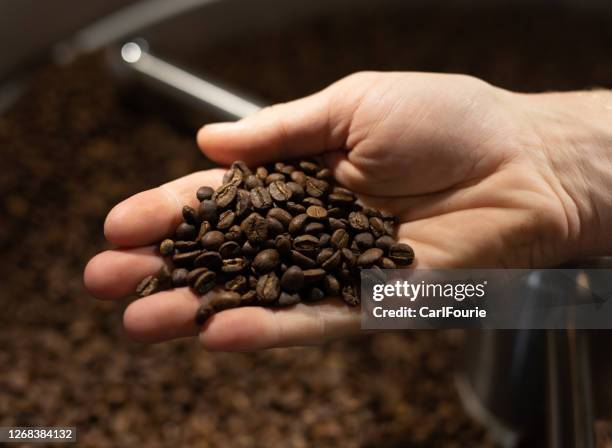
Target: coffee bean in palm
<point>307,202</point>
<point>248,297</point>
<point>377,226</point>
<point>266,261</point>
<point>387,263</point>
<point>313,275</point>
<point>274,227</point>
<point>212,240</point>
<point>302,260</point>
<point>225,300</point>
<point>295,209</point>
<point>205,282</point>
<point>297,223</point>
<point>283,244</point>
<point>274,177</point>
<point>225,195</point>
<point>261,199</point>
<point>190,216</point>
<point>314,294</point>
<point>148,285</point>
<point>204,193</point>
<point>332,262</point>
<point>249,249</point>
<point>350,296</point>
<point>279,191</point>
<point>331,286</point>
<point>243,203</point>
<point>369,257</point>
<point>210,260</point>
<point>185,258</point>
<point>324,239</point>
<point>401,254</point>
<point>336,212</point>
<point>306,244</point>
<point>261,172</point>
<point>233,176</point>
<point>166,248</point>
<point>268,288</point>
<point>324,174</point>
<point>179,277</point>
<point>226,220</point>
<point>255,228</point>
<point>358,221</point>
<point>348,256</point>
<point>193,275</point>
<point>389,227</point>
<point>233,266</point>
<point>314,228</point>
<point>297,191</point>
<point>239,284</point>
<point>364,240</point>
<point>384,242</point>
<point>204,312</point>
<point>186,246</point>
<point>316,212</point>
<point>207,210</point>
<point>242,166</point>
<point>316,187</point>
<point>283,216</point>
<point>340,239</point>
<point>299,177</point>
<point>204,227</point>
<point>287,299</point>
<point>186,231</point>
<point>341,199</point>
<point>335,224</point>
<point>230,249</point>
<point>292,279</point>
<point>164,277</point>
<point>253,181</point>
<point>309,167</point>
<point>234,233</point>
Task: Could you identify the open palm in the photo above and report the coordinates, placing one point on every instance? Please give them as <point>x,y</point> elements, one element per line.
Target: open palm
<point>452,156</point>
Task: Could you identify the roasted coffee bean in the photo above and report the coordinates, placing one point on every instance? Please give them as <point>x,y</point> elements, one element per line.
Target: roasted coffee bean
<point>324,239</point>
<point>309,167</point>
<point>297,223</point>
<point>253,181</point>
<point>268,288</point>
<point>316,212</point>
<point>316,187</point>
<point>204,193</point>
<point>212,240</point>
<point>389,227</point>
<point>166,248</point>
<point>255,228</point>
<point>265,261</point>
<point>242,166</point>
<point>349,257</point>
<point>283,244</point>
<point>283,216</point>
<point>302,260</point>
<point>388,215</point>
<point>225,195</point>
<point>279,191</point>
<point>210,260</point>
<point>307,244</point>
<point>243,203</point>
<point>314,295</point>
<point>377,226</point>
<point>252,281</point>
<point>226,220</point>
<point>286,299</point>
<point>331,286</point>
<point>233,176</point>
<point>230,249</point>
<point>340,239</point>
<point>350,296</point>
<point>179,277</point>
<point>239,284</point>
<point>359,221</point>
<point>194,274</point>
<point>324,254</point>
<point>186,246</point>
<point>324,174</point>
<point>297,191</point>
<point>314,228</point>
<point>387,263</point>
<point>278,166</point>
<point>307,202</point>
<point>191,216</point>
<point>401,254</point>
<point>287,170</point>
<point>332,262</point>
<point>273,177</point>
<point>203,314</point>
<point>261,172</point>
<point>384,242</point>
<point>234,234</point>
<point>274,227</point>
<point>371,212</point>
<point>248,297</point>
<point>185,258</point>
<point>295,209</point>
<point>313,275</point>
<point>208,211</point>
<point>292,279</point>
<point>364,240</point>
<point>186,231</point>
<point>261,199</point>
<point>299,177</point>
<point>204,227</point>
<point>205,282</point>
<point>233,266</point>
<point>341,199</point>
<point>149,285</point>
<point>344,273</point>
<point>369,257</point>
<point>335,224</point>
<point>225,300</point>
<point>249,249</point>
<point>336,212</point>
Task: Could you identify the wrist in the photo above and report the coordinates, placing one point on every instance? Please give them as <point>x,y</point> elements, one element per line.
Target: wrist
<point>574,130</point>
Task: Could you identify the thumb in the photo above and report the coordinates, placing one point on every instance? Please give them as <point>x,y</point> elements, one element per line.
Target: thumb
<point>301,128</point>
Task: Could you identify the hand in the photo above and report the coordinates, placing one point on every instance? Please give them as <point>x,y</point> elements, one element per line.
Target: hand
<point>479,176</point>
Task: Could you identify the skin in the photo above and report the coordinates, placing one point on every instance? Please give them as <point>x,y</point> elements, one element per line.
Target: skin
<point>479,176</point>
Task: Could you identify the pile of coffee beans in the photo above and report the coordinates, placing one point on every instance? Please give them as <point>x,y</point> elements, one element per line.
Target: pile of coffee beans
<point>276,236</point>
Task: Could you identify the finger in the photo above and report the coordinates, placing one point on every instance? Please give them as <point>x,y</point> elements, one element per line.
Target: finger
<point>304,127</point>
<point>114,274</point>
<point>154,214</point>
